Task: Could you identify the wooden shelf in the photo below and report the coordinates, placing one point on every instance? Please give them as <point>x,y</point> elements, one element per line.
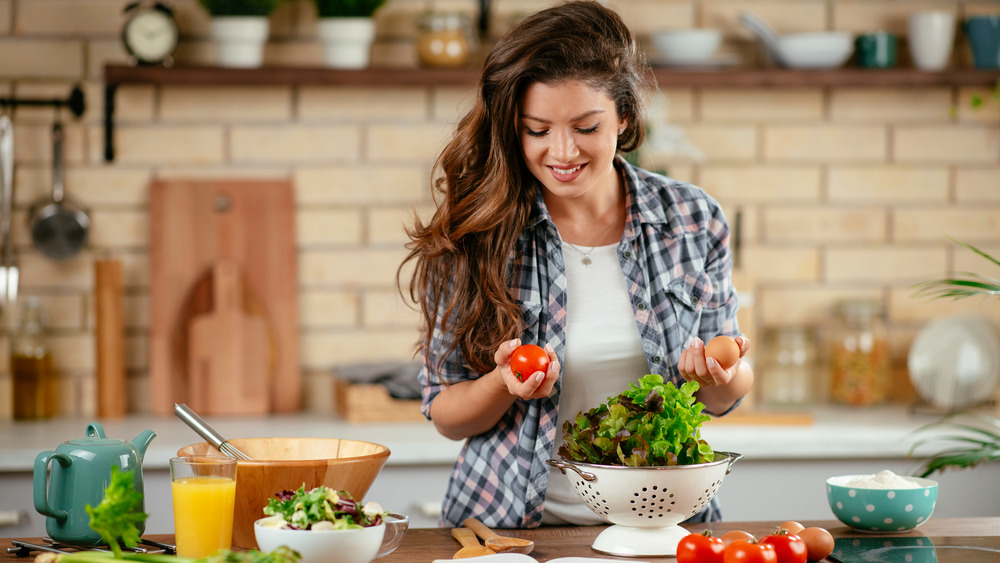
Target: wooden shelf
<point>116,75</point>
<point>120,74</point>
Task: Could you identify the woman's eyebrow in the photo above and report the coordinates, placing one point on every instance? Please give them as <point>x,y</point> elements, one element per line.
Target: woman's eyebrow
<point>577,118</point>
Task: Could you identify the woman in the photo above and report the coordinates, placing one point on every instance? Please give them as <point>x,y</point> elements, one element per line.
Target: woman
<point>544,234</point>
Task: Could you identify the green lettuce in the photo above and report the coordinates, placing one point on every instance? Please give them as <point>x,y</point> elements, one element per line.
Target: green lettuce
<point>652,423</point>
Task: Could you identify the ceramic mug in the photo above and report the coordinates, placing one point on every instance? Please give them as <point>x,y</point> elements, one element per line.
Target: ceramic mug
<point>876,50</point>
<point>932,36</point>
<point>984,40</point>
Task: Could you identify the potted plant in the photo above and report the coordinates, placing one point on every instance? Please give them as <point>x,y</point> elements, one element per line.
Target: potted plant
<point>347,30</point>
<point>965,439</point>
<point>240,29</point>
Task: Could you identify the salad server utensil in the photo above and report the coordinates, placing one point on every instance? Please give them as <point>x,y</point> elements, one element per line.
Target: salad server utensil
<point>496,542</point>
<point>470,544</point>
<point>185,413</point>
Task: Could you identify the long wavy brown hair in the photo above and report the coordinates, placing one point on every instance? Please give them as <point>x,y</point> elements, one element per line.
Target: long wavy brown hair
<point>482,188</point>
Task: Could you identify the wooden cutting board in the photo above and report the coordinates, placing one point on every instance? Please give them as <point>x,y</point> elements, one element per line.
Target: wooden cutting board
<point>223,255</point>
<point>229,350</point>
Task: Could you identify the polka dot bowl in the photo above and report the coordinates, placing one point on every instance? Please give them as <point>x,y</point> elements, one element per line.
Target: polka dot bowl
<point>881,510</point>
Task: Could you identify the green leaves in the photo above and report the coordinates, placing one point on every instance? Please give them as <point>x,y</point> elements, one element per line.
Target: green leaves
<point>652,423</point>
<point>240,7</point>
<point>958,288</point>
<point>347,8</point>
<point>973,438</point>
<point>116,517</point>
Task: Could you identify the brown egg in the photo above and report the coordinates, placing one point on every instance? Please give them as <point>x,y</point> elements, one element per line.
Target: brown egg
<point>792,526</point>
<point>724,349</point>
<point>737,535</point>
<point>819,543</point>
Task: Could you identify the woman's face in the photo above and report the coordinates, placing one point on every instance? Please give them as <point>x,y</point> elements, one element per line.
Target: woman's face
<point>569,134</point>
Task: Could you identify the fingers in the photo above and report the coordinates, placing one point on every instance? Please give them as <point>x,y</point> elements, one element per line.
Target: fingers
<point>506,350</point>
<point>695,366</point>
<point>534,386</point>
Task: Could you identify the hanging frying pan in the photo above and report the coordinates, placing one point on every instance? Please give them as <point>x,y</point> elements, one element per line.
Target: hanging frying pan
<point>58,226</point>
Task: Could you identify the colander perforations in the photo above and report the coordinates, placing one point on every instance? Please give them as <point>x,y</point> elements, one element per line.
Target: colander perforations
<point>591,497</point>
<point>706,495</point>
<point>652,502</point>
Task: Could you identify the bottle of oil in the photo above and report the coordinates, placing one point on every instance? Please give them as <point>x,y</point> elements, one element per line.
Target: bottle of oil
<point>31,366</point>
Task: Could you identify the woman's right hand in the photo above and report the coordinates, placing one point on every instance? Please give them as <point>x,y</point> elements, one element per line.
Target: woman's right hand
<point>535,386</point>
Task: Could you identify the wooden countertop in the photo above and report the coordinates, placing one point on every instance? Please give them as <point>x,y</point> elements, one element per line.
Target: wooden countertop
<point>423,545</point>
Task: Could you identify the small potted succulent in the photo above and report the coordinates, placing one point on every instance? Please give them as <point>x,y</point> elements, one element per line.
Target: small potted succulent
<point>240,29</point>
<point>347,30</point>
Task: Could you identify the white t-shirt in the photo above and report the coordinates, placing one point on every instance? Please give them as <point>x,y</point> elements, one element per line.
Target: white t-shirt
<point>603,356</point>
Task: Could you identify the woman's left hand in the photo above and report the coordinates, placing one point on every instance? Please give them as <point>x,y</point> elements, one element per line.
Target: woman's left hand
<point>695,366</point>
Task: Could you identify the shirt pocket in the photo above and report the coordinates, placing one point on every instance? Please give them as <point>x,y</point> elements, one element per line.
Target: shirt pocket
<point>689,295</point>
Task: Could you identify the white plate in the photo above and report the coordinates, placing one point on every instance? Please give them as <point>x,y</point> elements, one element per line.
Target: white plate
<point>720,60</point>
<point>954,362</point>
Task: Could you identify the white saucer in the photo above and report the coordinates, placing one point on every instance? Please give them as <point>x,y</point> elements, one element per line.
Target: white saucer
<point>716,61</point>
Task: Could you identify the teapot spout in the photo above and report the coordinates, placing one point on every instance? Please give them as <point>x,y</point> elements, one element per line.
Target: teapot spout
<point>142,441</point>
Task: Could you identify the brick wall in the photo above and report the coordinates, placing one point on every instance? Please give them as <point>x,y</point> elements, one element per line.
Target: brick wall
<point>842,192</point>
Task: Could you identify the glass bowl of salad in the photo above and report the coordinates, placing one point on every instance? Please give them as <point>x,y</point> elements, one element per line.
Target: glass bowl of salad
<point>328,526</point>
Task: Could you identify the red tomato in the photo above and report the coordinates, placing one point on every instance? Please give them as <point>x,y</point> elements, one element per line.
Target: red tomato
<point>742,551</point>
<point>528,359</point>
<point>789,547</point>
<point>700,548</point>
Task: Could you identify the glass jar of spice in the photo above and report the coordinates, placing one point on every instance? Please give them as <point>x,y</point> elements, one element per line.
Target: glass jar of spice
<point>444,40</point>
<point>858,353</point>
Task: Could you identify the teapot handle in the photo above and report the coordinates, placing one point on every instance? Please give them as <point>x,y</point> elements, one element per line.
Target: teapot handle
<point>95,430</point>
<point>41,483</point>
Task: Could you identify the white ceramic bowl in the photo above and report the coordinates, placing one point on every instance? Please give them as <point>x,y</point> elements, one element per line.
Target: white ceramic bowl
<point>821,49</point>
<point>360,545</point>
<point>687,45</point>
<point>881,510</point>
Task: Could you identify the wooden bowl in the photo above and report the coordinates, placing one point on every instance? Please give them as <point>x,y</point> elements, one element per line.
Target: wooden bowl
<point>289,463</point>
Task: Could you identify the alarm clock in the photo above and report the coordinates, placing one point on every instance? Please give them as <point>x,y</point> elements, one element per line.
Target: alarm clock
<point>150,33</point>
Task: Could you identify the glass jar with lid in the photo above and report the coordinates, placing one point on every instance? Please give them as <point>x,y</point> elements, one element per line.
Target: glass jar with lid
<point>789,365</point>
<point>445,39</point>
<point>859,353</point>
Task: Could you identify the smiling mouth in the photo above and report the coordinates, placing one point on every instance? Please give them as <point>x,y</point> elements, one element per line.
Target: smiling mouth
<point>566,171</point>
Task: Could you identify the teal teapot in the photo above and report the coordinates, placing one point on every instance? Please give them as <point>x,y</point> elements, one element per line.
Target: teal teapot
<point>76,474</point>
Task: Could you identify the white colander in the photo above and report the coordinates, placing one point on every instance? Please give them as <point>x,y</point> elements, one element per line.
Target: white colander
<point>645,504</point>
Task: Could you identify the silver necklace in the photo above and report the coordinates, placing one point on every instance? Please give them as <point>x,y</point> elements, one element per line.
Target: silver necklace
<point>586,254</point>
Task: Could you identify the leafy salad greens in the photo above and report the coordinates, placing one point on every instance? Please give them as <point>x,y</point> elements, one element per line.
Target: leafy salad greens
<point>652,423</point>
<point>321,508</point>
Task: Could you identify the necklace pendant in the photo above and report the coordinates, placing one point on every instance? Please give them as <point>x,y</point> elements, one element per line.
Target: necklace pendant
<point>586,260</point>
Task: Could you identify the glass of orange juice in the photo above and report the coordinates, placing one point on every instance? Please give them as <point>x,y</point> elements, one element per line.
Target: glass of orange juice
<point>204,491</point>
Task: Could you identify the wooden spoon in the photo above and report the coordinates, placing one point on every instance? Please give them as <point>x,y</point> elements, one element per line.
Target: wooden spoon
<point>496,542</point>
<point>470,544</point>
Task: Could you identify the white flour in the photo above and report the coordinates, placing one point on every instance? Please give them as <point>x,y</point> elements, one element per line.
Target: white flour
<point>882,480</point>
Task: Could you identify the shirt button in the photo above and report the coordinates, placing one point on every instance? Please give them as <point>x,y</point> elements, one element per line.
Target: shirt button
<point>694,300</point>
<point>641,306</point>
<point>628,254</point>
<point>656,359</point>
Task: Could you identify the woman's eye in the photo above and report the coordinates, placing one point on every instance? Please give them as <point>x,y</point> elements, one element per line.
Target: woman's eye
<point>532,133</point>
<point>588,130</point>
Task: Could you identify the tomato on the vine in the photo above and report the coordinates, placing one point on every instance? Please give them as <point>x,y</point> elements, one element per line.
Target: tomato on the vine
<point>528,359</point>
<point>789,547</point>
<point>742,551</point>
<point>700,548</point>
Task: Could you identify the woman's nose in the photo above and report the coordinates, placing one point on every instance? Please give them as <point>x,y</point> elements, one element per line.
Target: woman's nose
<point>564,146</point>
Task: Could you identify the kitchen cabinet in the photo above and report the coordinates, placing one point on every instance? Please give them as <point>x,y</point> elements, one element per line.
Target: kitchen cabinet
<point>117,75</point>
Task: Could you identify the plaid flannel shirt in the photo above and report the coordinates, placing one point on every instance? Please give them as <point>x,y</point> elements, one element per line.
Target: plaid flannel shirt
<point>675,257</point>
